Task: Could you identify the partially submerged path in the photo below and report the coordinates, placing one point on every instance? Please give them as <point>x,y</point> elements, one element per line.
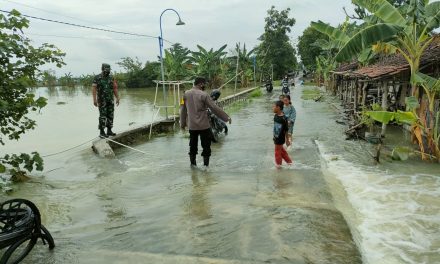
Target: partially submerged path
<point>242,210</point>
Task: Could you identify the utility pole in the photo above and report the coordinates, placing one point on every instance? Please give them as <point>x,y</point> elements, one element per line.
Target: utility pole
<point>236,68</point>
<point>255,76</point>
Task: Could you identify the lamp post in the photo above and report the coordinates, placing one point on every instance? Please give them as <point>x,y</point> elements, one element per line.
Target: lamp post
<point>179,23</point>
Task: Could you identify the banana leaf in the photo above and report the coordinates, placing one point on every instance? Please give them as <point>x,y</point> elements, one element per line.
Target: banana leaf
<point>432,12</point>
<point>411,103</point>
<point>432,84</point>
<point>405,117</point>
<point>383,117</point>
<point>366,38</point>
<point>333,33</point>
<point>383,10</point>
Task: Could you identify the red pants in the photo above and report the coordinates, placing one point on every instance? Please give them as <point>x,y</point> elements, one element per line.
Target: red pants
<point>280,154</point>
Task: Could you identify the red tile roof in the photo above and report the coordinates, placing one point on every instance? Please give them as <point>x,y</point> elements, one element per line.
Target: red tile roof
<point>390,65</point>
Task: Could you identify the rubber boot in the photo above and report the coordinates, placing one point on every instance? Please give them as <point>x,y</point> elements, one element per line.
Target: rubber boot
<point>192,159</point>
<point>102,133</point>
<point>110,132</point>
<point>206,161</point>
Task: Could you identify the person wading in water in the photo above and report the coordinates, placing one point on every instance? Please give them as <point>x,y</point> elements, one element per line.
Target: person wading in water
<point>103,88</point>
<point>193,113</point>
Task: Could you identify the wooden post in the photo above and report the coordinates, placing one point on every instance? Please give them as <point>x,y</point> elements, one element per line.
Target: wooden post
<point>364,94</point>
<point>384,104</point>
<point>355,97</point>
<point>403,92</point>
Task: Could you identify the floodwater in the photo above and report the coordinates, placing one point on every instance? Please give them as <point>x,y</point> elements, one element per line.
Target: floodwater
<point>333,206</point>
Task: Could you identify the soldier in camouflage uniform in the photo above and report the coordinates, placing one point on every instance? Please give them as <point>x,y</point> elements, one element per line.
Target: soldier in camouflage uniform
<point>104,87</point>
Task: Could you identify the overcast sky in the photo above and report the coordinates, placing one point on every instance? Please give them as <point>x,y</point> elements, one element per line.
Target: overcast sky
<point>209,23</point>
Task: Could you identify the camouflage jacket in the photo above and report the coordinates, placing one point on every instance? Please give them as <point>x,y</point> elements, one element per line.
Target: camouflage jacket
<point>104,87</point>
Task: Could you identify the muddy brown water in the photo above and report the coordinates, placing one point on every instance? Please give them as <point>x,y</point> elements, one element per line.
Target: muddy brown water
<point>333,206</point>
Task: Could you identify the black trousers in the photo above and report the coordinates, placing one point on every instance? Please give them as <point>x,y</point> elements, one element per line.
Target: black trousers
<point>205,138</point>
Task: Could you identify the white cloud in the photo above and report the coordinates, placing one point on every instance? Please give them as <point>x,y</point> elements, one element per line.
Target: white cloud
<point>209,23</point>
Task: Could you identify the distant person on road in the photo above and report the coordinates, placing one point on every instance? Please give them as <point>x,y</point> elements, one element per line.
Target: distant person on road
<point>280,129</point>
<point>194,114</point>
<point>290,114</point>
<point>285,85</point>
<point>104,88</point>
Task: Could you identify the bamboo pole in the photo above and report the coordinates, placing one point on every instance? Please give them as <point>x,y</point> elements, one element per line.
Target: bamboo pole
<point>384,104</point>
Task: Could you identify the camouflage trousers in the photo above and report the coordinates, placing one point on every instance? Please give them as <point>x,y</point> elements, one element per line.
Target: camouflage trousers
<point>106,113</point>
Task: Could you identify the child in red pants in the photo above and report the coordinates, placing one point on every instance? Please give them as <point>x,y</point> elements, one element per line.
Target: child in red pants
<point>280,135</point>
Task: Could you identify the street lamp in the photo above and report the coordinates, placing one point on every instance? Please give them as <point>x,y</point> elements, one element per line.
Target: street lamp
<point>179,23</point>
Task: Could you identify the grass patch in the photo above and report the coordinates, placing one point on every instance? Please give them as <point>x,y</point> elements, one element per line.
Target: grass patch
<point>310,94</point>
<point>256,93</point>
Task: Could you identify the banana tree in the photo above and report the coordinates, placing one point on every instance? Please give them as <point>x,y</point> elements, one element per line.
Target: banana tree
<point>245,63</point>
<point>431,86</point>
<point>406,29</point>
<point>326,61</point>
<point>338,38</point>
<point>176,62</point>
<point>324,65</point>
<point>208,64</point>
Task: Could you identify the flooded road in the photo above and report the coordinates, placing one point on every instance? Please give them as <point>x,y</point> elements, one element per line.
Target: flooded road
<point>333,206</point>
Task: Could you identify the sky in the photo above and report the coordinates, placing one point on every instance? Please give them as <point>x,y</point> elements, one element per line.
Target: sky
<point>208,23</point>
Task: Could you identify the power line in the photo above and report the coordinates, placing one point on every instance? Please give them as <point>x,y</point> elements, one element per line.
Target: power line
<point>57,14</point>
<point>80,37</point>
<point>82,26</point>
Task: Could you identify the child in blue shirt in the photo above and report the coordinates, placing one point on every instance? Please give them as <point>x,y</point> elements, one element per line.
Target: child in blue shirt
<point>290,114</point>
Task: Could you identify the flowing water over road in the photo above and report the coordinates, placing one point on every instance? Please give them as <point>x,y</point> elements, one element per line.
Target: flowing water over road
<point>154,208</point>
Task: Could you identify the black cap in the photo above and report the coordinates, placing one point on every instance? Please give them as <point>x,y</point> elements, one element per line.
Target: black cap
<point>105,65</point>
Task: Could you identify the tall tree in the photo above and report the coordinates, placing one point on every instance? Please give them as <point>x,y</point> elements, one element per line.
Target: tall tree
<point>307,48</point>
<point>136,75</point>
<point>130,65</point>
<point>275,48</point>
<point>19,62</point>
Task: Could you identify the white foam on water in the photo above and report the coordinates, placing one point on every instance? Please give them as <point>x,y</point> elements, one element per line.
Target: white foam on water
<point>397,216</point>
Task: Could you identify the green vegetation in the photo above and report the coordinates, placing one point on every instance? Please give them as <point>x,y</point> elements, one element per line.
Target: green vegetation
<point>16,101</point>
<point>310,94</point>
<point>275,52</point>
<point>256,93</point>
<point>208,63</point>
<point>308,49</point>
<point>136,75</point>
<point>405,27</point>
<point>275,49</point>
